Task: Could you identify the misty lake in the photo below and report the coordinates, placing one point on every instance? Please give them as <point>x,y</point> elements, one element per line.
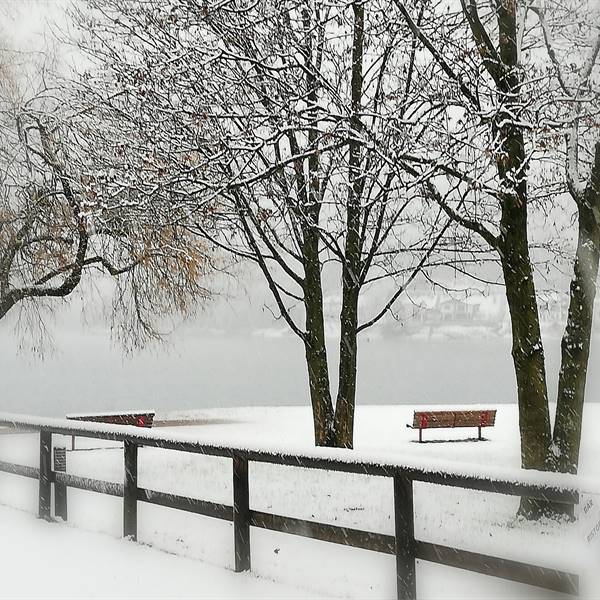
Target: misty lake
<point>85,373</point>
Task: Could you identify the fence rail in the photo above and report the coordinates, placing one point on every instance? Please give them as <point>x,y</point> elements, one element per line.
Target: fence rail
<point>402,544</point>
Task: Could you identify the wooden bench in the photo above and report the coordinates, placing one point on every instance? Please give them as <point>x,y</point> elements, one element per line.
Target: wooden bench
<point>438,419</point>
<point>137,419</point>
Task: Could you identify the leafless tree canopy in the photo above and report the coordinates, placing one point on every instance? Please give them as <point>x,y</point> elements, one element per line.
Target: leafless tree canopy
<point>55,225</point>
<point>513,93</point>
<point>284,121</point>
<point>381,136</point>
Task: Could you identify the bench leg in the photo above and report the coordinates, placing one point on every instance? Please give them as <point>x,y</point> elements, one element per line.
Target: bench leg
<point>420,435</point>
<point>479,433</point>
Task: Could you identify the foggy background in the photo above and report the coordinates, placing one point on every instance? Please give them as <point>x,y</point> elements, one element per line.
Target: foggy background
<point>233,352</point>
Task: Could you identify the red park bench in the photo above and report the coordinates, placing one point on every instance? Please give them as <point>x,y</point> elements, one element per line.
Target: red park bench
<point>138,419</point>
<point>438,419</point>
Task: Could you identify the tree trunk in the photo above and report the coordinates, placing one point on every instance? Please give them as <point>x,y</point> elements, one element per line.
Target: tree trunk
<point>320,396</point>
<point>528,356</point>
<point>346,397</point>
<point>527,348</point>
<point>575,348</point>
<point>309,191</point>
<point>351,267</point>
<point>6,304</point>
<point>314,342</point>
<point>528,361</point>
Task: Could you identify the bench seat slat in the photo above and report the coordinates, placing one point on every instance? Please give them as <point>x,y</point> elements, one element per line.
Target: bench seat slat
<point>453,418</point>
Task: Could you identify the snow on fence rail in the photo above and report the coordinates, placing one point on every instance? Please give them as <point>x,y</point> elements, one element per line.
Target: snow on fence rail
<point>407,549</point>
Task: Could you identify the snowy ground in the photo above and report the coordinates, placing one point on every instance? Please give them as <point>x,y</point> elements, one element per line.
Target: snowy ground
<point>470,520</point>
<point>73,564</point>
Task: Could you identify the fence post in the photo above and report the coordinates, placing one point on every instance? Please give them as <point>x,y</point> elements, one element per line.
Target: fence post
<point>406,583</point>
<point>60,489</point>
<point>45,490</point>
<point>241,513</point>
<point>130,490</point>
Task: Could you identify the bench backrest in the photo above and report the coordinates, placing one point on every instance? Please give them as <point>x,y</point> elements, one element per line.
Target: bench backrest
<point>454,418</point>
<point>137,419</point>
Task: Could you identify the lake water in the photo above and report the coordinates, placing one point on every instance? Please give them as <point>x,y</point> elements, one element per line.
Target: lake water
<point>86,373</point>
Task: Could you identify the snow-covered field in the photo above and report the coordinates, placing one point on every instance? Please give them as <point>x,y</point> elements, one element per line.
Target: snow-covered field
<point>72,564</point>
<point>471,520</point>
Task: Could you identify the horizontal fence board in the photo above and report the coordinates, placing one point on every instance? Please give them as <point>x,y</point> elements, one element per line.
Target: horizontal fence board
<point>22,470</point>
<point>377,542</point>
<point>192,505</point>
<point>487,565</point>
<point>506,488</point>
<point>450,479</point>
<point>474,483</point>
<point>542,577</point>
<point>89,485</point>
<point>309,462</point>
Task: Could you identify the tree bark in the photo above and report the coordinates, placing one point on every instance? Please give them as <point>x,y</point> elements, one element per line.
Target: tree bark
<point>575,347</point>
<point>6,303</point>
<point>346,398</point>
<point>528,359</point>
<point>314,342</point>
<point>351,266</point>
<point>527,348</point>
<point>318,380</point>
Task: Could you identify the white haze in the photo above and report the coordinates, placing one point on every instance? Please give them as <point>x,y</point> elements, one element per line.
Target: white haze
<point>234,354</point>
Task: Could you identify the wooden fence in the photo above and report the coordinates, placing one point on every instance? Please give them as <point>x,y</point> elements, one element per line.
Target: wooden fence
<point>403,544</point>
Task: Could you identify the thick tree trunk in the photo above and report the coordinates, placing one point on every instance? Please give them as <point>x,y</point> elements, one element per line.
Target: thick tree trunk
<point>528,358</point>
<point>575,351</point>
<point>564,454</point>
<point>6,304</point>
<point>528,361</point>
<point>314,343</point>
<point>320,396</point>
<point>527,348</point>
<point>309,191</point>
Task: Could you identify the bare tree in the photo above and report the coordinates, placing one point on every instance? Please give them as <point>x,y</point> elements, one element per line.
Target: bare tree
<point>495,133</point>
<point>572,42</point>
<point>279,118</point>
<point>55,226</point>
